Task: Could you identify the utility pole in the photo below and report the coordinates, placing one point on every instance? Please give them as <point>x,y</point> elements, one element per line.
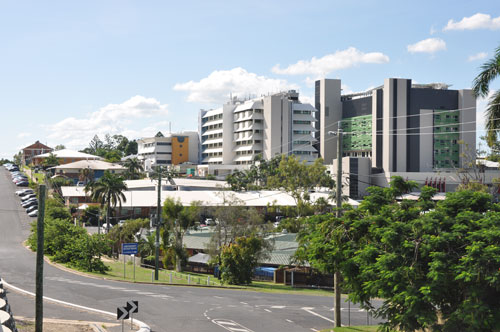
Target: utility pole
<point>336,276</point>
<point>39,260</point>
<point>158,222</point>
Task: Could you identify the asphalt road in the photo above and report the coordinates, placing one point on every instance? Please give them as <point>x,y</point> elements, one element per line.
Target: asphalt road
<point>163,308</point>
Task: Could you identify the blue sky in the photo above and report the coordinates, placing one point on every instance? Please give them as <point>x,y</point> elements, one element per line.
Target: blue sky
<point>72,69</point>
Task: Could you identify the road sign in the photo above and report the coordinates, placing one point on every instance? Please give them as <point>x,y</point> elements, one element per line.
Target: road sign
<point>130,248</point>
<point>132,307</point>
<point>122,313</point>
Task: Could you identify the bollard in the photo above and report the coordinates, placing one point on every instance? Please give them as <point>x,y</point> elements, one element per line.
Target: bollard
<point>170,277</point>
<point>208,281</point>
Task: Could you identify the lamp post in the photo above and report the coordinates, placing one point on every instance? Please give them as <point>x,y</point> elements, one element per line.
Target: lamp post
<point>336,275</point>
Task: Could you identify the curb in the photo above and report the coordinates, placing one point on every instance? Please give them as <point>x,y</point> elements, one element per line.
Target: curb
<point>143,327</point>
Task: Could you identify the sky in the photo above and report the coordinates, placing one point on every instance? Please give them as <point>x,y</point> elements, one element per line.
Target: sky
<point>72,69</point>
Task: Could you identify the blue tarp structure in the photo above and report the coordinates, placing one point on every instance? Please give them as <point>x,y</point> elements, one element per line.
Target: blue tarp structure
<point>264,271</point>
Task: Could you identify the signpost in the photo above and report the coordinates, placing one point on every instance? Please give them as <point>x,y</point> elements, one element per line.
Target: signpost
<point>129,249</point>
<point>121,314</point>
<point>127,311</point>
<point>132,307</point>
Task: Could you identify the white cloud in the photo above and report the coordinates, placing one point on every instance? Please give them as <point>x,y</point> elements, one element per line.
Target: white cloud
<point>216,87</point>
<point>110,119</point>
<point>321,67</point>
<point>23,135</point>
<point>429,45</point>
<point>478,56</point>
<point>476,21</point>
<point>307,99</point>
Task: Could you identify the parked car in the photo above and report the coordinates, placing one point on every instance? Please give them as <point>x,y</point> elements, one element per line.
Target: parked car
<point>33,213</point>
<point>29,203</point>
<point>23,192</point>
<point>22,184</point>
<point>209,222</point>
<point>32,208</point>
<point>27,197</point>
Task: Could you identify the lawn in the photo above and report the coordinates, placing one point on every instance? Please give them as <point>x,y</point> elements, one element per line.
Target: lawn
<point>167,276</point>
<point>371,328</point>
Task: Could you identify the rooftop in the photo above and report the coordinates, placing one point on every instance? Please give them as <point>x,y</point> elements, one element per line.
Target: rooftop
<point>66,153</point>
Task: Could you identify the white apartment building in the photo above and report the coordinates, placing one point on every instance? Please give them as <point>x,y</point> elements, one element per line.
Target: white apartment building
<point>171,149</point>
<point>270,125</point>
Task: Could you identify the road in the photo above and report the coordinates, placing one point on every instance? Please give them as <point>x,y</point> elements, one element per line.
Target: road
<point>163,308</point>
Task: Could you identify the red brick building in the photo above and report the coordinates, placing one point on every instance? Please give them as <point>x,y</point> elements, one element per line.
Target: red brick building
<point>34,149</point>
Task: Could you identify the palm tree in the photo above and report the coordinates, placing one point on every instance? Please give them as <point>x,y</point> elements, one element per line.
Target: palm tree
<point>481,87</point>
<point>108,191</point>
<point>86,175</point>
<point>134,168</point>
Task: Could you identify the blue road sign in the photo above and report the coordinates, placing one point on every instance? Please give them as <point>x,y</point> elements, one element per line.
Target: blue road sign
<point>130,248</point>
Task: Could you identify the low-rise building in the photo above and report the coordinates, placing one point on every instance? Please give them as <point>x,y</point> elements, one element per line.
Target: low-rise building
<point>65,156</point>
<point>33,150</point>
<point>73,170</point>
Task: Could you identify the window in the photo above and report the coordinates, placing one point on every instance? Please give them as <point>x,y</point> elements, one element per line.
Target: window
<point>162,143</point>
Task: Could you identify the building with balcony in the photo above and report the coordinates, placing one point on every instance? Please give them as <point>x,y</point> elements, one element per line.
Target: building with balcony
<point>171,149</point>
<point>234,134</point>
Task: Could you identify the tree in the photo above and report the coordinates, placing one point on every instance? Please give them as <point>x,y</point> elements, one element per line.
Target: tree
<point>126,232</point>
<point>131,148</point>
<point>240,258</point>
<point>134,168</point>
<point>50,161</point>
<point>86,175</point>
<point>113,156</point>
<point>481,86</point>
<point>178,220</point>
<point>95,146</point>
<point>436,265</point>
<point>59,147</point>
<point>108,191</point>
<point>233,219</point>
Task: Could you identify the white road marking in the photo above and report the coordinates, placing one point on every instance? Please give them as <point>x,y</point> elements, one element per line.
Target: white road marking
<point>130,290</point>
<point>230,325</point>
<point>218,297</point>
<point>145,293</point>
<point>142,325</point>
<point>267,310</point>
<point>278,307</point>
<point>314,330</point>
<point>309,310</point>
<point>289,321</point>
<point>243,303</point>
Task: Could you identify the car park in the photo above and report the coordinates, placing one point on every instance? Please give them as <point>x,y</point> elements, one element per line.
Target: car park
<point>22,184</point>
<point>33,213</point>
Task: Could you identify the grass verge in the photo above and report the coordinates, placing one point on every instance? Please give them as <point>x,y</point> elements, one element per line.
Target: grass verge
<point>116,272</point>
<point>371,328</point>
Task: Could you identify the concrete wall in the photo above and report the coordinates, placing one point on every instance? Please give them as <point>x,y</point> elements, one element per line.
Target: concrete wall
<point>330,113</point>
<point>426,141</point>
<point>467,105</point>
<point>272,135</point>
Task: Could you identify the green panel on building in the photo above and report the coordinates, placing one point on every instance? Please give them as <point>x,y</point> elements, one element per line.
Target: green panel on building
<point>446,137</point>
<point>358,137</point>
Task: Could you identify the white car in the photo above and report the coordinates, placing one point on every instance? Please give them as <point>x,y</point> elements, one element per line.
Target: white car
<point>33,213</point>
<point>22,191</point>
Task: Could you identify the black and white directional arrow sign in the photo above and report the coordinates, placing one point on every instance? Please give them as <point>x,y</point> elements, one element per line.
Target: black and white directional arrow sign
<point>132,307</point>
<point>122,313</point>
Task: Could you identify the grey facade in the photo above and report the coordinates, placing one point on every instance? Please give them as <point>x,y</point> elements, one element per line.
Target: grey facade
<point>403,121</point>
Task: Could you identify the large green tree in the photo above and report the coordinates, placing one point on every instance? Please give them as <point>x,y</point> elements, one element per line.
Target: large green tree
<point>240,258</point>
<point>178,219</point>
<point>108,191</point>
<point>481,86</point>
<point>435,265</point>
